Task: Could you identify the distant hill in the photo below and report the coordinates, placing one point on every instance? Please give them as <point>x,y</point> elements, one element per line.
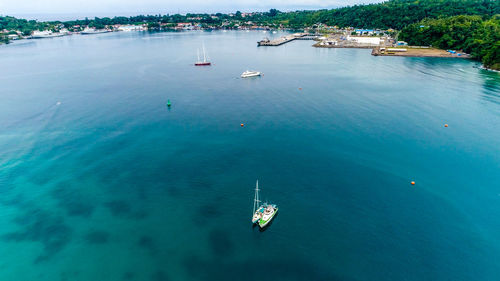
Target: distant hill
<point>394,14</point>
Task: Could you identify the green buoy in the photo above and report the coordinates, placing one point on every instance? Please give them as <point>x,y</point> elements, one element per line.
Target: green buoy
<point>168,103</point>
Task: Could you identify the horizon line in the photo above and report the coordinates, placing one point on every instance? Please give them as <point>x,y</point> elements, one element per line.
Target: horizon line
<point>65,16</point>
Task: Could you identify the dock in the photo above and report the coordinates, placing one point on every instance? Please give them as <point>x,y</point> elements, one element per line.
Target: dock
<point>286,39</point>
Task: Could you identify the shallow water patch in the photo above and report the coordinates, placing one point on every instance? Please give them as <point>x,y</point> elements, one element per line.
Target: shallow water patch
<point>73,201</point>
<point>220,243</point>
<point>97,237</point>
<point>147,243</point>
<point>159,275</point>
<point>42,227</point>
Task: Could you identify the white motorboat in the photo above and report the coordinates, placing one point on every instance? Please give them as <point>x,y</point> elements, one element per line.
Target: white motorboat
<point>248,73</point>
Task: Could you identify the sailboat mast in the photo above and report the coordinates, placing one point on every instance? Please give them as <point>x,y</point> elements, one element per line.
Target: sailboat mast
<point>256,198</point>
<point>198,52</point>
<point>204,57</point>
<point>257,187</point>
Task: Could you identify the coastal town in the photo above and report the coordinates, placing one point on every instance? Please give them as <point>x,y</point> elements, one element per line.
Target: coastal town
<point>191,23</point>
<point>382,42</point>
<point>389,35</point>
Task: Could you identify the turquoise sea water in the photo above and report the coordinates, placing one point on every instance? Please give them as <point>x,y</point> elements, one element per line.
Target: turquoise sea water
<point>100,181</point>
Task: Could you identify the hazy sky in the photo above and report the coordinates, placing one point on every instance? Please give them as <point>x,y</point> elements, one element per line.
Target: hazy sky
<point>117,7</point>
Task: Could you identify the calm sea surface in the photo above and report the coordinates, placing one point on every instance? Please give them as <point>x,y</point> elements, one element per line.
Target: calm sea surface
<point>99,180</point>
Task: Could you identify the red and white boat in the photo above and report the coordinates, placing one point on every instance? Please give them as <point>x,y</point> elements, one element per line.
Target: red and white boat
<point>203,62</point>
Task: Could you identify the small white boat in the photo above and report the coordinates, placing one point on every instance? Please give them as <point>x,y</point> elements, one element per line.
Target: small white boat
<point>248,73</point>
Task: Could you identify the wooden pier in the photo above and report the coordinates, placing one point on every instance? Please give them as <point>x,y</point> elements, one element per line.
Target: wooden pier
<point>286,39</point>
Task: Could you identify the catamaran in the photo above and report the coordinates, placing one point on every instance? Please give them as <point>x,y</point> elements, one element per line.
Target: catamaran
<point>263,214</point>
<point>200,62</point>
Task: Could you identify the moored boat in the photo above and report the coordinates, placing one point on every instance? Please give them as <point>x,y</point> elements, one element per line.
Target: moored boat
<point>262,214</point>
<point>248,73</point>
<point>203,62</point>
<point>268,215</point>
<point>257,210</point>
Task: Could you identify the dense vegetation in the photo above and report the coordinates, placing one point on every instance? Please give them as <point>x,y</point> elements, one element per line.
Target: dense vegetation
<point>3,38</point>
<point>25,26</point>
<point>472,34</point>
<point>394,14</point>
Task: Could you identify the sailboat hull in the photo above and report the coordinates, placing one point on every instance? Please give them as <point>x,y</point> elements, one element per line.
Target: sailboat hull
<point>202,63</point>
<point>258,214</point>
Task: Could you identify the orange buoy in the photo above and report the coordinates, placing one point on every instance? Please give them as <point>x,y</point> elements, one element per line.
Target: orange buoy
<point>242,124</point>
<point>300,88</point>
<point>412,183</point>
<point>446,125</point>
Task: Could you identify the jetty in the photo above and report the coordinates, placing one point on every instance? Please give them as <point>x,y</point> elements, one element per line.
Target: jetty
<point>286,39</point>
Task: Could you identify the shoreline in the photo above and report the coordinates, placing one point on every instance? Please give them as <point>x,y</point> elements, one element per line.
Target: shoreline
<point>341,47</point>
<point>482,67</point>
<point>418,52</point>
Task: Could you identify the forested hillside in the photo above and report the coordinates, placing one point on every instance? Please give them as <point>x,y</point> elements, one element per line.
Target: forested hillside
<point>391,14</point>
<point>473,34</point>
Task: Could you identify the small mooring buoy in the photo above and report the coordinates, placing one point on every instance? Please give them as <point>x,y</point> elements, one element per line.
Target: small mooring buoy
<point>412,183</point>
<point>300,89</point>
<point>168,103</point>
<point>242,124</point>
<point>446,125</point>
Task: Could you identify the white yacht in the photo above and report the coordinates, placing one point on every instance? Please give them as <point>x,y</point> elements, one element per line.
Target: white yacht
<point>248,73</point>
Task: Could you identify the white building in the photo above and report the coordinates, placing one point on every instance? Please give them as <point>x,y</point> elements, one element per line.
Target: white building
<point>130,27</point>
<point>329,42</point>
<point>375,41</point>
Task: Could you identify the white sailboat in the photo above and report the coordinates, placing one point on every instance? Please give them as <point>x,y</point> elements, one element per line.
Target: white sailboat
<point>257,210</point>
<point>205,61</point>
